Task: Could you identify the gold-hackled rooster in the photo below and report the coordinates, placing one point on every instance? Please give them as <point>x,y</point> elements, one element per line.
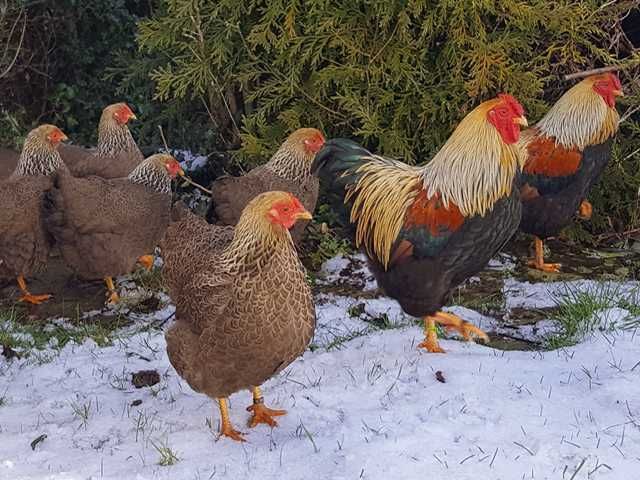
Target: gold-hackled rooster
<point>567,151</point>
<point>426,229</point>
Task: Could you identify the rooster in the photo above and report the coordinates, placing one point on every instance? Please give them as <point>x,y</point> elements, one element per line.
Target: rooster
<point>244,310</point>
<point>289,169</point>
<point>567,152</point>
<point>426,229</point>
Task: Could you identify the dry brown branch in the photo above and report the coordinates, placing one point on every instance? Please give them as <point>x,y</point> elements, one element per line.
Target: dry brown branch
<point>593,71</point>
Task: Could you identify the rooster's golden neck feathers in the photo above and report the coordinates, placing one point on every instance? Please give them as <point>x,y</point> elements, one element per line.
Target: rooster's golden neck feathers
<point>114,138</point>
<point>579,118</point>
<point>39,156</point>
<point>153,174</point>
<point>474,168</point>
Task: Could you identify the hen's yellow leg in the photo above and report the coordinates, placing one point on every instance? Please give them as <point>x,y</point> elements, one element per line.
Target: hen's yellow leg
<point>146,261</point>
<point>538,261</point>
<point>226,429</point>
<point>430,342</point>
<point>27,297</point>
<point>262,414</point>
<point>111,291</point>
<point>467,330</point>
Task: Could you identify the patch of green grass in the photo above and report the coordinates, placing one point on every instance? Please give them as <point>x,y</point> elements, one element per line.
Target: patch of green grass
<point>340,340</point>
<point>150,279</point>
<point>577,312</point>
<point>28,336</point>
<point>167,456</point>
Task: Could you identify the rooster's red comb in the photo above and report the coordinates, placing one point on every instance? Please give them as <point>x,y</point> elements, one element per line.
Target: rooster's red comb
<point>512,102</point>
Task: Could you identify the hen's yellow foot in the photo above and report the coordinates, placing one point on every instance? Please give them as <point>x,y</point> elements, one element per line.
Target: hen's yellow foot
<point>112,295</point>
<point>146,261</point>
<point>430,342</point>
<point>27,296</point>
<point>586,210</point>
<point>226,429</point>
<point>466,329</point>
<point>34,299</point>
<point>262,414</point>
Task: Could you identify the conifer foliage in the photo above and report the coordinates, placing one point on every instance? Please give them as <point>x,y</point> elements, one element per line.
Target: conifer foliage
<point>398,74</point>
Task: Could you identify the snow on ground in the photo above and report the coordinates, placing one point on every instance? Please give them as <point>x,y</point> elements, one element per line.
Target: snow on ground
<point>370,408</point>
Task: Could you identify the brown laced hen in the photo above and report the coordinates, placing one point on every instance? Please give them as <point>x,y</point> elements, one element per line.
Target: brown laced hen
<point>104,226</point>
<point>244,310</point>
<point>116,154</point>
<point>24,245</point>
<point>8,162</point>
<point>288,170</point>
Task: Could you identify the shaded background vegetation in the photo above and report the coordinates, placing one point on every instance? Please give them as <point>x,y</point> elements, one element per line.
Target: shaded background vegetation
<point>237,76</point>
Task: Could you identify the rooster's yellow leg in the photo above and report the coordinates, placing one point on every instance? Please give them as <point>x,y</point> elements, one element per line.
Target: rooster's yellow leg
<point>111,293</point>
<point>538,262</point>
<point>586,210</point>
<point>27,297</point>
<point>226,429</point>
<point>262,414</point>
<point>430,342</point>
<point>467,330</point>
<point>146,261</point>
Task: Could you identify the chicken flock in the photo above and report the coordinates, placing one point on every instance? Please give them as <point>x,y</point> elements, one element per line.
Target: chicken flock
<point>244,308</point>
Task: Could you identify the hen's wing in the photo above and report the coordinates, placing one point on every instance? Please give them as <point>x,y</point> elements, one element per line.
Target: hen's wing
<point>104,226</point>
<point>189,246</point>
<point>24,245</point>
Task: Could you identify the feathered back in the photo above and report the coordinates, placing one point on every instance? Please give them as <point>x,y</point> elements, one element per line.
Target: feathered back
<point>103,226</point>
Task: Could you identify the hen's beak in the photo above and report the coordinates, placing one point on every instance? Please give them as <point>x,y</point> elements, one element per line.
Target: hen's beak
<point>132,116</point>
<point>64,138</point>
<point>303,215</point>
<point>521,121</point>
<point>181,173</point>
<point>618,93</point>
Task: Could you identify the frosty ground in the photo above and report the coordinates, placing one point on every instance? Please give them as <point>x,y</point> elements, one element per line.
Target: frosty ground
<point>362,402</point>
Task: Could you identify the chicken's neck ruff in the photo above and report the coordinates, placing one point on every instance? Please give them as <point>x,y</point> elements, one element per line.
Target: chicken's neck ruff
<point>113,138</point>
<point>256,241</point>
<point>578,119</point>
<point>290,164</point>
<point>381,196</point>
<point>151,175</point>
<point>38,157</point>
<point>475,168</point>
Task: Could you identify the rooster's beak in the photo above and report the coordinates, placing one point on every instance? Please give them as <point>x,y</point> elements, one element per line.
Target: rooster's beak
<point>521,121</point>
<point>618,93</point>
<point>303,215</point>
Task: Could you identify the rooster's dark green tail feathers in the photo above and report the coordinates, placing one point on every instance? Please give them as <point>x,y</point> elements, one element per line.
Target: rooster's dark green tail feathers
<point>337,156</point>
